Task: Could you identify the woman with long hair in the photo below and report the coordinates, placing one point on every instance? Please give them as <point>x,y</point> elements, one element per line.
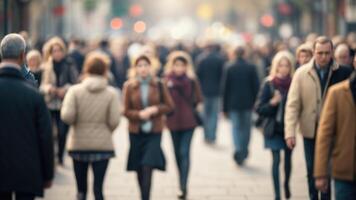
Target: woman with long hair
<point>271,106</point>
<point>146,101</point>
<point>185,91</point>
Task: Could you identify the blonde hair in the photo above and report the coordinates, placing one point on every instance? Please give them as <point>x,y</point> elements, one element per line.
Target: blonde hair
<point>96,63</point>
<point>34,54</point>
<point>277,59</point>
<point>180,54</point>
<point>132,73</point>
<point>48,47</point>
<point>305,47</point>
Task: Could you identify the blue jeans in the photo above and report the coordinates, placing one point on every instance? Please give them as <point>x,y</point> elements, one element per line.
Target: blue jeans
<point>181,143</point>
<point>62,130</point>
<point>241,130</point>
<point>309,151</point>
<point>345,190</point>
<point>211,110</point>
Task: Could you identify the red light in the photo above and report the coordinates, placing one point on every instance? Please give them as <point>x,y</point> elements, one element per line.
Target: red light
<point>267,21</point>
<point>116,23</point>
<point>136,10</point>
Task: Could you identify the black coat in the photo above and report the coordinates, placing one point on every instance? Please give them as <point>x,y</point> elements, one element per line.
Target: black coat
<point>240,86</point>
<point>210,68</point>
<point>26,146</point>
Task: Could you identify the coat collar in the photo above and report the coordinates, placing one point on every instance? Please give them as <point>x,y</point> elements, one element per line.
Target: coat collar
<point>310,65</point>
<point>10,72</point>
<point>136,83</point>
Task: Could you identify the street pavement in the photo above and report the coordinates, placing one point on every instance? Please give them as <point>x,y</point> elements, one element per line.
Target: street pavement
<point>214,175</point>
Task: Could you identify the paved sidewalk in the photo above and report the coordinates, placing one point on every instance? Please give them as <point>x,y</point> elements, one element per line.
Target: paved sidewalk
<point>214,175</point>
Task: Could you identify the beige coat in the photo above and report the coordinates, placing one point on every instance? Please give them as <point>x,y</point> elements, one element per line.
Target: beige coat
<point>337,133</point>
<point>304,101</point>
<point>92,109</point>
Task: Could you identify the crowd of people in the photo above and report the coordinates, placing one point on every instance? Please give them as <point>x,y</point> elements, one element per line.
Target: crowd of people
<point>73,91</point>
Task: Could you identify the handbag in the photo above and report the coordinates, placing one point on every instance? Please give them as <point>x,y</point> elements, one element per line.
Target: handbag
<point>269,127</point>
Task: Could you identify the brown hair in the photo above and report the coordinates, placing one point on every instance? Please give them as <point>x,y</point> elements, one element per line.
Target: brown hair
<point>304,48</point>
<point>322,40</point>
<point>96,63</point>
<point>142,57</point>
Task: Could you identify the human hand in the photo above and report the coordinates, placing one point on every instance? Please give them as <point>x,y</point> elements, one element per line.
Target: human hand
<point>61,92</point>
<point>144,115</point>
<point>47,184</point>
<point>291,142</point>
<point>321,184</point>
<point>277,97</point>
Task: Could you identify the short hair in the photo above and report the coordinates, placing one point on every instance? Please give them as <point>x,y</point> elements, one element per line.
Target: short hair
<point>304,48</point>
<point>240,51</point>
<point>96,63</point>
<point>322,40</point>
<point>12,46</point>
<point>34,54</point>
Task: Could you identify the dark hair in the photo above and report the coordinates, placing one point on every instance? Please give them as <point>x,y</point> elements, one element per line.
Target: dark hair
<point>240,52</point>
<point>96,63</point>
<point>323,40</point>
<point>182,59</point>
<point>142,57</point>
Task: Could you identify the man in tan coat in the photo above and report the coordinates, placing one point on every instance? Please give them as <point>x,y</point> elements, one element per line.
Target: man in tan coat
<point>337,134</point>
<point>305,99</point>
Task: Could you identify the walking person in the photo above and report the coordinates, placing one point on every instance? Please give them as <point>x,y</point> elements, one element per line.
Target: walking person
<point>34,61</point>
<point>240,92</point>
<point>271,106</point>
<point>146,101</point>
<point>26,146</point>
<point>186,94</point>
<point>210,68</point>
<point>337,134</point>
<point>92,110</point>
<point>306,96</point>
<point>59,74</point>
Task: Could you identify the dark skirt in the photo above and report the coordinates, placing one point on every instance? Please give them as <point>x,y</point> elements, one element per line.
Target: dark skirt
<point>145,150</point>
<point>276,142</point>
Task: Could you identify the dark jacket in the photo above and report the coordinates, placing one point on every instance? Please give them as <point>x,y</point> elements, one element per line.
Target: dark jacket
<point>186,94</point>
<point>210,68</point>
<point>156,96</point>
<point>240,86</point>
<point>26,147</point>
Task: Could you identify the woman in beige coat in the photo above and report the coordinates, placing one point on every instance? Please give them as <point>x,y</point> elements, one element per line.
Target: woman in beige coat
<point>92,110</point>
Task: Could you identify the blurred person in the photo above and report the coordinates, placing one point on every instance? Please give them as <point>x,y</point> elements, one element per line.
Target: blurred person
<point>104,46</point>
<point>343,55</point>
<point>337,40</point>
<point>305,99</point>
<point>76,52</point>
<point>122,60</point>
<point>271,106</point>
<point>27,39</point>
<point>26,147</point>
<point>34,61</point>
<point>146,101</point>
<point>304,54</point>
<point>337,134</point>
<point>59,73</point>
<point>150,51</point>
<point>240,91</point>
<point>186,94</point>
<point>92,123</point>
<point>209,69</point>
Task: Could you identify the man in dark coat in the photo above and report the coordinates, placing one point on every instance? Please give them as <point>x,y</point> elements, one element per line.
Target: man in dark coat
<point>26,147</point>
<point>210,68</point>
<point>240,92</point>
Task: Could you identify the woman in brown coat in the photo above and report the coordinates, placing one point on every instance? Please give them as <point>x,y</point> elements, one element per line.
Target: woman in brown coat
<point>146,101</point>
<point>186,93</point>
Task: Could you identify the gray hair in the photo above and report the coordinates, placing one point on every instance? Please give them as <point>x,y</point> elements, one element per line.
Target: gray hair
<point>12,46</point>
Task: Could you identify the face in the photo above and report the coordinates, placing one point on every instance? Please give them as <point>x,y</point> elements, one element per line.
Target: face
<point>304,57</point>
<point>33,63</point>
<point>343,58</point>
<point>57,53</point>
<point>143,69</point>
<point>323,54</point>
<point>283,69</point>
<point>179,68</point>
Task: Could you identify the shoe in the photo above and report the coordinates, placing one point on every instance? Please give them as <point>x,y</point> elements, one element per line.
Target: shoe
<point>237,157</point>
<point>183,195</point>
<point>287,191</point>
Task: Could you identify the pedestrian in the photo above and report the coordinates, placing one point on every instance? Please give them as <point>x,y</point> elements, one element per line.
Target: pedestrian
<point>240,91</point>
<point>26,147</point>
<point>92,122</point>
<point>271,106</point>
<point>337,134</point>
<point>210,68</point>
<point>306,96</point>
<point>343,55</point>
<point>186,94</point>
<point>59,73</point>
<point>304,54</point>
<point>146,101</point>
<point>34,61</point>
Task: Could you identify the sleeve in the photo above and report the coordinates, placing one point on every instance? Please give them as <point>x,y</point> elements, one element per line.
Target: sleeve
<point>263,107</point>
<point>45,84</point>
<point>129,112</point>
<point>167,105</point>
<point>44,131</point>
<point>293,108</point>
<point>198,92</point>
<point>226,88</point>
<point>69,108</point>
<point>325,134</point>
<point>114,112</point>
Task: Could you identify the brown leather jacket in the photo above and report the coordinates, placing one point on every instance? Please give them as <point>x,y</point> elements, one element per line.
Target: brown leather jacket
<point>133,104</point>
